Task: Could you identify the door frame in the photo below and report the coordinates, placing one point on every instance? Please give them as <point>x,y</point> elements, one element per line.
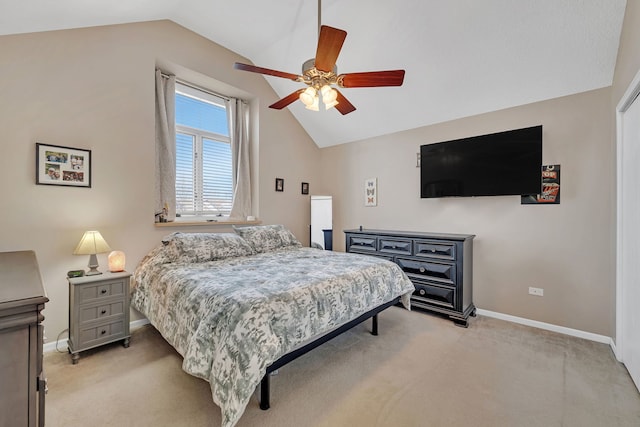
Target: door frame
<point>627,99</point>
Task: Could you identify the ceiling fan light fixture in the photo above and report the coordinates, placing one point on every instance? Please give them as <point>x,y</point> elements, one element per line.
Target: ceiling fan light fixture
<point>330,104</point>
<point>315,104</point>
<point>328,93</point>
<point>307,97</point>
<point>322,71</point>
<point>329,96</point>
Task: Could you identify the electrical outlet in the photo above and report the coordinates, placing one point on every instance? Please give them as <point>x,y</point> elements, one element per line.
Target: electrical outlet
<point>536,291</point>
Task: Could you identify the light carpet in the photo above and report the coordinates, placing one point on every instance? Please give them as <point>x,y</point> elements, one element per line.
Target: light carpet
<point>420,371</point>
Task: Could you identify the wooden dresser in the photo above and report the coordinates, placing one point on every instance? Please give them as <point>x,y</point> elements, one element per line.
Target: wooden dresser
<point>22,299</point>
<point>439,265</point>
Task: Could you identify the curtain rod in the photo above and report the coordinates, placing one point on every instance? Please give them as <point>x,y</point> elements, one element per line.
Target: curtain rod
<point>200,88</point>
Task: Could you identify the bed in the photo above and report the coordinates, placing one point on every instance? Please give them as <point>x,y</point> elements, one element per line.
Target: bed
<point>238,305</point>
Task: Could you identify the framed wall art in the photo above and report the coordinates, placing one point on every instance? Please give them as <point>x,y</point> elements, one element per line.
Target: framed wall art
<point>371,192</point>
<point>550,190</point>
<point>279,184</point>
<point>57,165</point>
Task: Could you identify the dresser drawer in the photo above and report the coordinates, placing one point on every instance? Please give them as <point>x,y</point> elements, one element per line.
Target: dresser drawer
<point>394,245</point>
<point>427,248</point>
<point>91,292</point>
<point>433,294</point>
<point>95,335</point>
<point>90,313</point>
<point>438,264</point>
<point>361,243</point>
<point>441,272</point>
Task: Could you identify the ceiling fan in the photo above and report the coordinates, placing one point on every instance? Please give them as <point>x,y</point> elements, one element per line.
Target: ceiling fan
<point>321,73</point>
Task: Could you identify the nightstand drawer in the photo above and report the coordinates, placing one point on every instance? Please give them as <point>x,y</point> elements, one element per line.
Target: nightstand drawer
<point>88,314</point>
<point>362,243</point>
<point>439,271</point>
<point>433,294</point>
<point>425,248</point>
<point>96,334</point>
<point>395,246</point>
<point>91,292</point>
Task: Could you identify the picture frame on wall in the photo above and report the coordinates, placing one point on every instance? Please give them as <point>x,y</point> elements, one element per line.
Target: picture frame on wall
<point>279,184</point>
<point>550,188</point>
<point>305,188</point>
<point>65,166</point>
<point>371,192</point>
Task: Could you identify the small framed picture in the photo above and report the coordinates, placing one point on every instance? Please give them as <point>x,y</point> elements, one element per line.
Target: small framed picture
<point>57,165</point>
<point>371,192</point>
<point>305,188</point>
<point>279,184</point>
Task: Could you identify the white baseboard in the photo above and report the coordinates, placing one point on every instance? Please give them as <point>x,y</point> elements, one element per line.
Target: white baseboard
<point>61,344</point>
<point>549,327</point>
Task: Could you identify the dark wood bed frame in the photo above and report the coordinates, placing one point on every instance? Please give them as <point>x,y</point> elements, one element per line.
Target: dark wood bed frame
<point>264,384</point>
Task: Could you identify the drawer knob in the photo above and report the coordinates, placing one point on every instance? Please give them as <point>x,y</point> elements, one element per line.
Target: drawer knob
<point>433,250</point>
<point>104,291</point>
<point>422,292</point>
<point>103,312</point>
<point>422,270</point>
<point>104,331</point>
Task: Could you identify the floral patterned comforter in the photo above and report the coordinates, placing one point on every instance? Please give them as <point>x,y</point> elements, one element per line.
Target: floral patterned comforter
<point>232,318</point>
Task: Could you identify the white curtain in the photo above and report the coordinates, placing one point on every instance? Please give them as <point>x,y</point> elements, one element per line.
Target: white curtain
<point>165,145</point>
<point>239,133</point>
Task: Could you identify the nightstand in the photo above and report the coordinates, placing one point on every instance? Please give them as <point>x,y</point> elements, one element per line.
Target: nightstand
<point>98,311</point>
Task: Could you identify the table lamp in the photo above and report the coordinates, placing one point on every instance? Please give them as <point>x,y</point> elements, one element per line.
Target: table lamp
<point>92,243</point>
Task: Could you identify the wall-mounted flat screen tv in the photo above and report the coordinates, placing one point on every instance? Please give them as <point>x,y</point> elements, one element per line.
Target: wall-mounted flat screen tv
<point>499,164</point>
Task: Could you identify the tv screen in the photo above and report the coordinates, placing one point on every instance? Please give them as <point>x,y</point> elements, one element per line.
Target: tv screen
<point>499,164</point>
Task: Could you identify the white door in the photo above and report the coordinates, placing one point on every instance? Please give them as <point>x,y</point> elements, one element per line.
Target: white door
<point>628,287</point>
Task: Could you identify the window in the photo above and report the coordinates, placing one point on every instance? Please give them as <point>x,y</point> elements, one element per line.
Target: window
<point>204,178</point>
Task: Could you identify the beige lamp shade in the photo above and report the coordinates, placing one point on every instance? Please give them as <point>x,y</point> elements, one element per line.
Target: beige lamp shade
<point>92,243</point>
<point>116,261</point>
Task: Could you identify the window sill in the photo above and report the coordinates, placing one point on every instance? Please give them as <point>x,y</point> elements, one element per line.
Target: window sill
<point>185,222</point>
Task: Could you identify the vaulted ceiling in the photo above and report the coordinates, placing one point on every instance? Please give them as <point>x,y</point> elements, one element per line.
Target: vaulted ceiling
<point>462,57</point>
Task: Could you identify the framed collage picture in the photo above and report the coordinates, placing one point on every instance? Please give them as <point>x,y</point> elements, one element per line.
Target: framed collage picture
<point>57,165</point>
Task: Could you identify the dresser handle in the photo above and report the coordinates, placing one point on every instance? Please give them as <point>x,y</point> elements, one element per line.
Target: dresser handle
<point>422,270</point>
<point>433,250</point>
<point>103,312</point>
<point>104,331</point>
<point>104,291</point>
<point>422,292</point>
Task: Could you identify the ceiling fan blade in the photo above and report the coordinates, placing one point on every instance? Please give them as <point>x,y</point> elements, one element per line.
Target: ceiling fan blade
<point>344,106</point>
<point>329,45</point>
<point>372,79</point>
<point>254,69</point>
<point>279,105</point>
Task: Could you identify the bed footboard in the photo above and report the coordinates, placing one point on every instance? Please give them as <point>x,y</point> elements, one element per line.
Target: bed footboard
<point>264,384</point>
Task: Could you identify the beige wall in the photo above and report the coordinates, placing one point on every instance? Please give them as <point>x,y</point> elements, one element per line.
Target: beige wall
<point>94,89</point>
<point>561,248</point>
